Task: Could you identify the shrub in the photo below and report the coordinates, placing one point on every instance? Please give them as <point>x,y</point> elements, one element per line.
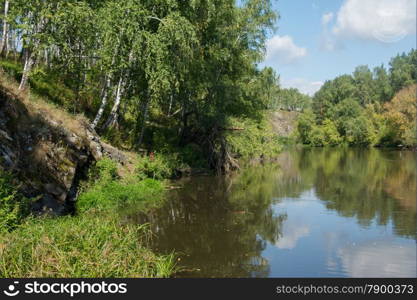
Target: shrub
<point>330,134</point>
<point>360,131</point>
<point>316,137</point>
<point>12,68</point>
<point>305,124</point>
<point>104,171</point>
<point>256,139</point>
<point>400,114</point>
<point>156,167</point>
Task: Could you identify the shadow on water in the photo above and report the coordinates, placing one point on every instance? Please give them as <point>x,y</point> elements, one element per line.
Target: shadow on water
<point>269,220</point>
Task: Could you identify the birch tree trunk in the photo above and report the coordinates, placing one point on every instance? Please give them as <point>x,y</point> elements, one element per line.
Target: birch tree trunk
<point>5,35</point>
<point>103,103</point>
<point>112,120</point>
<point>29,62</point>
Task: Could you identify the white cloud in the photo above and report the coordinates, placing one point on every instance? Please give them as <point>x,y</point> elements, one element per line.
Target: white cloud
<point>283,50</point>
<point>379,259</point>
<point>327,18</point>
<point>303,85</point>
<point>380,20</point>
<point>291,234</point>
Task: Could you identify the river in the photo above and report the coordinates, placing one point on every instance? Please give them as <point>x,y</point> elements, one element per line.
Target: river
<point>337,212</point>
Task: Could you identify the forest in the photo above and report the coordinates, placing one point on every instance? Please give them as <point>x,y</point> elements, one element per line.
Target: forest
<point>367,108</point>
<point>166,76</point>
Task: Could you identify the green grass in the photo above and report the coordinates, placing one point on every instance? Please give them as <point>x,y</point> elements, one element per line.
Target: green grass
<point>83,246</point>
<point>13,206</point>
<point>118,195</point>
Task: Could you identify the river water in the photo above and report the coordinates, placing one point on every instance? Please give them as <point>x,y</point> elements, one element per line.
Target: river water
<point>338,212</point>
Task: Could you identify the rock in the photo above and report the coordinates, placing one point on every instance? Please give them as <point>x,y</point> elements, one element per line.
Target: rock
<point>114,153</point>
<point>53,189</point>
<point>48,158</point>
<point>96,150</point>
<point>48,205</point>
<point>5,135</point>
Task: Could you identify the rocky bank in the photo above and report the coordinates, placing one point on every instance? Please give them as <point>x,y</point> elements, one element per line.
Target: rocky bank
<point>48,150</point>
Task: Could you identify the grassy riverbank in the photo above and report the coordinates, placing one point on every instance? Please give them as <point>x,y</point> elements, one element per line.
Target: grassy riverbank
<point>94,243</point>
<point>97,241</point>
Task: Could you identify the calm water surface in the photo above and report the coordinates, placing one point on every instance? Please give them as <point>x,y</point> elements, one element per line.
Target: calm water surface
<point>317,212</point>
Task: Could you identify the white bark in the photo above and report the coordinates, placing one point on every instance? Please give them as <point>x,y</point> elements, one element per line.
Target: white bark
<point>29,62</point>
<point>114,113</point>
<point>5,35</point>
<point>103,103</point>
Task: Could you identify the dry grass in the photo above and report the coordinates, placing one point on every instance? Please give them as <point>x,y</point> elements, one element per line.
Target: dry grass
<point>40,107</point>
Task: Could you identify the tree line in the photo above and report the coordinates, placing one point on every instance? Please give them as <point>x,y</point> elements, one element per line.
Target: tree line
<point>130,65</point>
<point>366,108</point>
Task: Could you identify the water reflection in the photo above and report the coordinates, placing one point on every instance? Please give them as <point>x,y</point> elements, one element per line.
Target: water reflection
<point>366,184</point>
<point>364,260</point>
<point>317,212</point>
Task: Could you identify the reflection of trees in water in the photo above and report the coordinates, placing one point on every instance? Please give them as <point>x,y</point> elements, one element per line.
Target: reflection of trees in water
<point>221,225</point>
<point>366,183</point>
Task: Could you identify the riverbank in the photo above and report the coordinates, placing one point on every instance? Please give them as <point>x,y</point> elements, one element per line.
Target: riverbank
<point>96,242</point>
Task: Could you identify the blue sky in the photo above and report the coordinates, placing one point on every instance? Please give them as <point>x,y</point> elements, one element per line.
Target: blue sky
<point>317,40</point>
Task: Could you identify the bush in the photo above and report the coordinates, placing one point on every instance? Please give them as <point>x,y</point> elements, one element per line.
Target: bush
<point>256,139</point>
<point>305,124</point>
<point>104,171</point>
<point>156,167</point>
<point>12,68</point>
<point>400,114</point>
<point>316,137</point>
<point>360,131</point>
<point>330,133</point>
<point>13,206</point>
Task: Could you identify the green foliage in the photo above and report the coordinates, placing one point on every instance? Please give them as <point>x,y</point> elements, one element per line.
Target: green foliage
<point>324,135</point>
<point>184,65</point>
<point>292,100</point>
<point>359,131</point>
<point>305,124</point>
<point>360,109</point>
<point>46,85</point>
<point>103,172</point>
<point>12,68</point>
<point>400,116</point>
<point>156,166</point>
<point>252,139</point>
<point>13,206</point>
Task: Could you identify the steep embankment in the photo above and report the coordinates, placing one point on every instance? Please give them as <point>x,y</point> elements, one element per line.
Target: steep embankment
<point>47,149</point>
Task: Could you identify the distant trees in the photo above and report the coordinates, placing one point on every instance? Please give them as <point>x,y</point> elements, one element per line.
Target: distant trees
<point>359,106</point>
<point>292,100</point>
<point>400,114</point>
